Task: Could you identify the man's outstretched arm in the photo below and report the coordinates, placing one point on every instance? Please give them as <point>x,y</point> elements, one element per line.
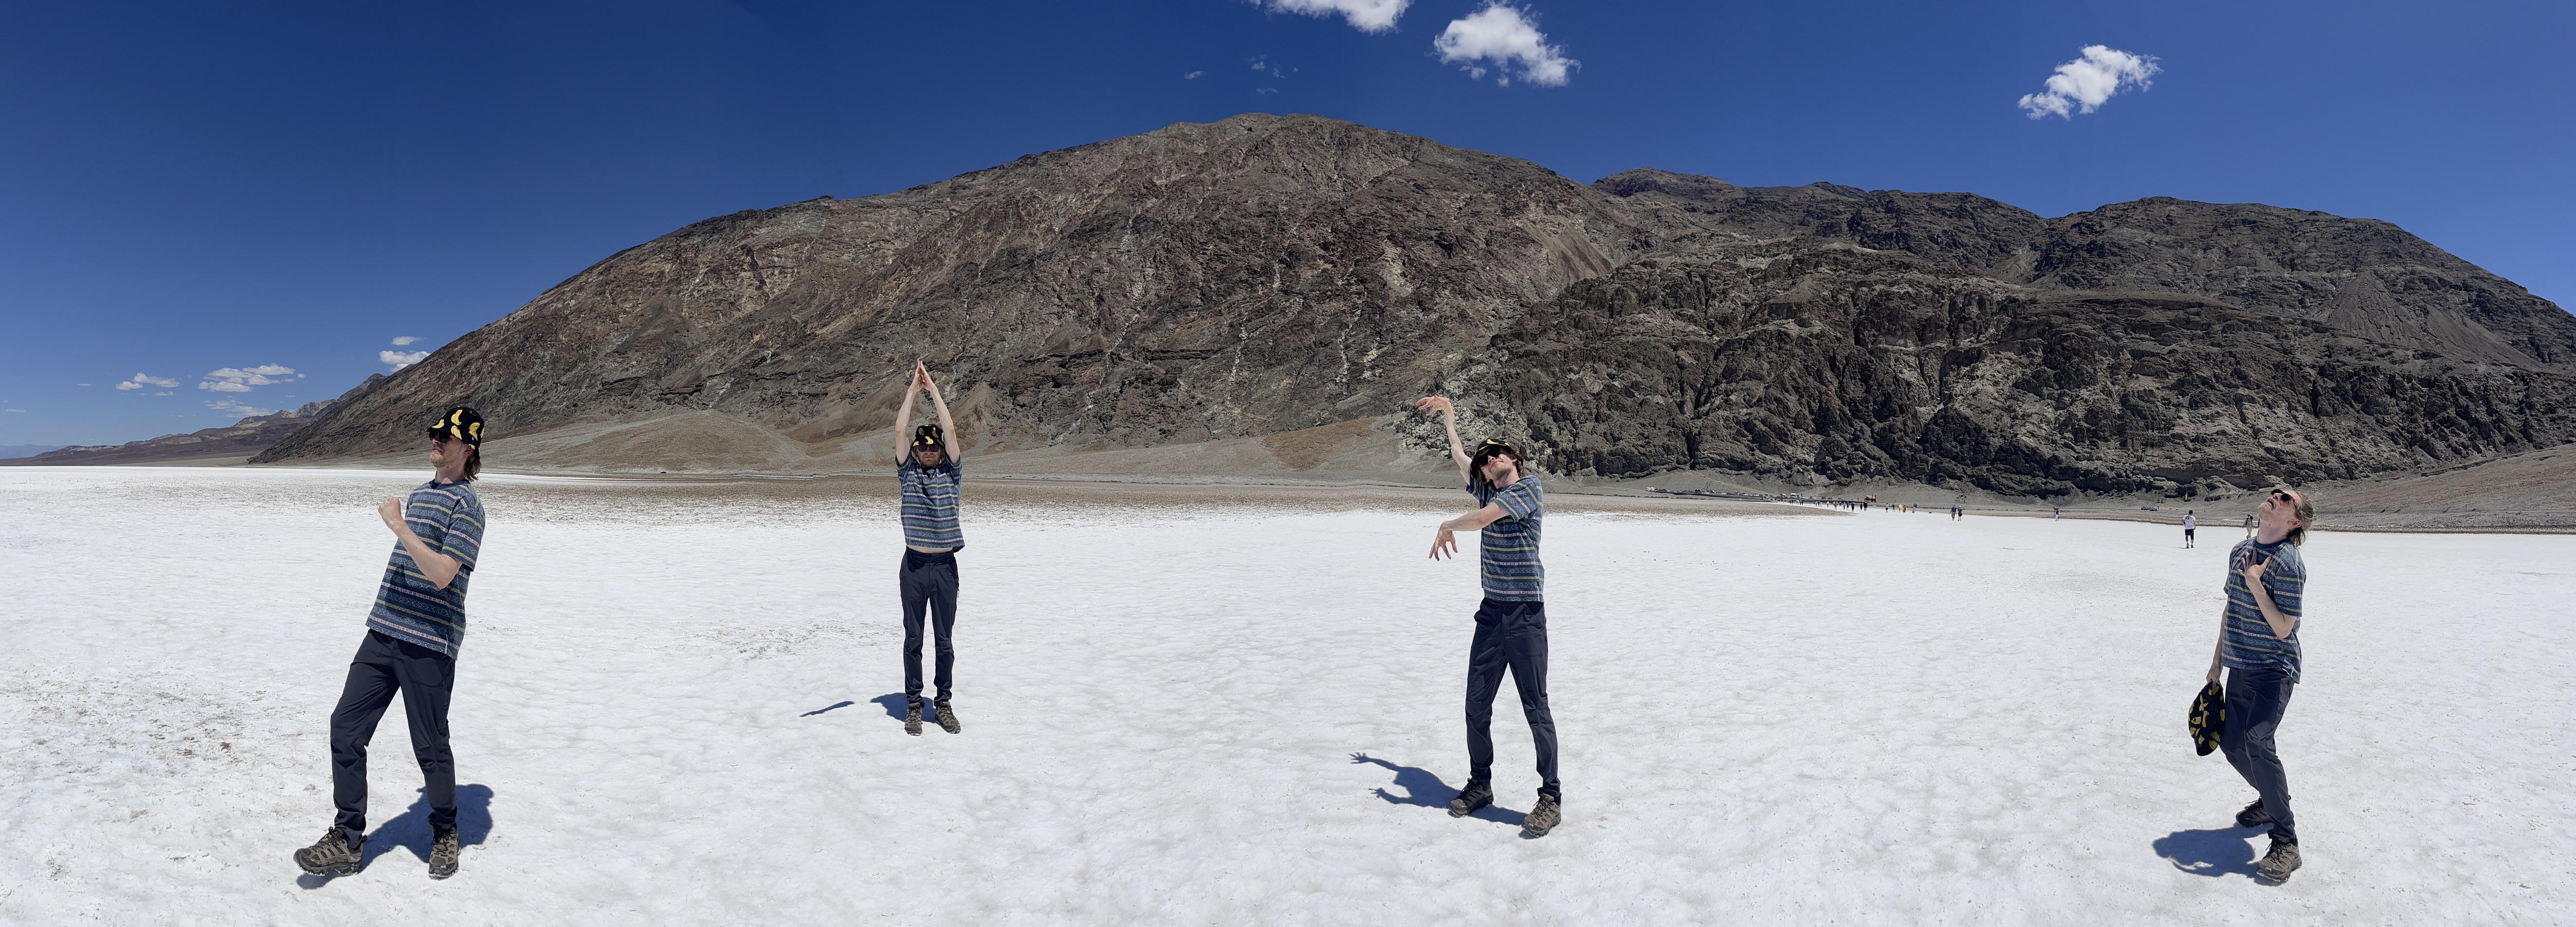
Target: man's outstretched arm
<point>903,415</point>
<point>947,426</point>
<point>1473,521</point>
<point>1448,420</point>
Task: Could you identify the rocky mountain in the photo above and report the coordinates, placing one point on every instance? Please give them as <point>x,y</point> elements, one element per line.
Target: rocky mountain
<point>240,439</point>
<point>1267,274</point>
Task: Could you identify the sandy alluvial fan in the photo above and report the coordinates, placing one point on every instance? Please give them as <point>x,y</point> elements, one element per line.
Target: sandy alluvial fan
<point>1267,274</point>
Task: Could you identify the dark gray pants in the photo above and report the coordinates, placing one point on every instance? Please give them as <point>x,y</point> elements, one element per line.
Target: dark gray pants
<point>929,584</point>
<point>1509,635</point>
<point>2255,699</point>
<point>424,677</point>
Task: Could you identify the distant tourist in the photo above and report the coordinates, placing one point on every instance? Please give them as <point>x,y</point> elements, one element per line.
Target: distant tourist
<point>2258,643</point>
<point>2249,524</point>
<point>927,473</point>
<point>2188,523</point>
<point>412,635</point>
<point>1511,624</point>
<point>2055,513</point>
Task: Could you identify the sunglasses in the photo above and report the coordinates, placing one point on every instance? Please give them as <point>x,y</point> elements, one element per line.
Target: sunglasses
<point>2284,495</point>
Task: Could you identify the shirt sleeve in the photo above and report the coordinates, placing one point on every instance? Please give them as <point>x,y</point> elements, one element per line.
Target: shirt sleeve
<point>464,539</point>
<point>2285,585</point>
<point>1516,501</point>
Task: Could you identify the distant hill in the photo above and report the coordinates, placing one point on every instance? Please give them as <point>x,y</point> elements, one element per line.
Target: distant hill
<point>231,442</point>
<point>24,450</point>
<point>1238,280</point>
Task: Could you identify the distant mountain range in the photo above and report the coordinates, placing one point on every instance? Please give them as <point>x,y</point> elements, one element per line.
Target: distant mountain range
<point>24,450</point>
<point>233,442</point>
<point>1268,274</point>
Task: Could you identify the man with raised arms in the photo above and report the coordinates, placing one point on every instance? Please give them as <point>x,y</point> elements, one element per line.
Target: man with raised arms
<point>928,474</point>
<point>412,637</point>
<point>2258,644</point>
<point>1511,623</point>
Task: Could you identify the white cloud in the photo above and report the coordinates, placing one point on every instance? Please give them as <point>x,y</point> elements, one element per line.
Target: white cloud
<point>400,359</point>
<point>17,410</point>
<point>2084,84</point>
<point>1505,38</point>
<point>233,407</point>
<point>84,384</point>
<point>407,339</point>
<point>142,380</point>
<point>1364,15</point>
<point>237,380</point>
<point>1193,75</point>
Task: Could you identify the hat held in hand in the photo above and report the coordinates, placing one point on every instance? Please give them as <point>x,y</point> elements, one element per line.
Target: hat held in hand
<point>2208,718</point>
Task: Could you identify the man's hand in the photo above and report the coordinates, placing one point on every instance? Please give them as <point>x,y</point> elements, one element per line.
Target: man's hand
<point>1445,545</point>
<point>920,375</point>
<point>2213,672</point>
<point>1430,404</point>
<point>2254,571</point>
<point>391,510</point>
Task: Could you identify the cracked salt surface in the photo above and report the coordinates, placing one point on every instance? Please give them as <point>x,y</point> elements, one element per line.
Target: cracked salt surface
<point>673,706</point>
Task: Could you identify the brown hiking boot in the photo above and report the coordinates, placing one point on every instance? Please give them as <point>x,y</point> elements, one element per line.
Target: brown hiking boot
<point>947,717</point>
<point>443,852</point>
<point>2278,864</point>
<point>1542,818</point>
<point>912,719</point>
<point>330,856</point>
<point>1477,795</point>
<point>2253,815</point>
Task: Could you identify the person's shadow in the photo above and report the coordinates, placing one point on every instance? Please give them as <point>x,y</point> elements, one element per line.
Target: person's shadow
<point>844,703</point>
<point>1423,789</point>
<point>895,703</point>
<point>2217,852</point>
<point>410,830</point>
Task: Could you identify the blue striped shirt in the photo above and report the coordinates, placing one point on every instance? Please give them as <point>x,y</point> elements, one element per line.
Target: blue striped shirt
<point>448,517</point>
<point>930,503</point>
<point>2246,641</point>
<point>1509,560</point>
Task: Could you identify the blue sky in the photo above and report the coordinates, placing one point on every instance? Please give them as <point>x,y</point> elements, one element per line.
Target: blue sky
<point>201,192</point>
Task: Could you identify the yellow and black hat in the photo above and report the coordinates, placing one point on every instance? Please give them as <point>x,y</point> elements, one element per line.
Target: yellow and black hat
<point>1487,450</point>
<point>461,423</point>
<point>927,436</point>
<point>2208,718</point>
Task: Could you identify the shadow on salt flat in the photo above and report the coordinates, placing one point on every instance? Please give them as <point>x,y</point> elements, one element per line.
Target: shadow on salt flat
<point>895,703</point>
<point>1424,789</point>
<point>2223,851</point>
<point>410,830</point>
<point>844,703</point>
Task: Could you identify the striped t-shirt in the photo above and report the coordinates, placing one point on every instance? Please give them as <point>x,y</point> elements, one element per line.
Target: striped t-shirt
<point>1509,561</point>
<point>2247,641</point>
<point>930,503</point>
<point>448,517</point>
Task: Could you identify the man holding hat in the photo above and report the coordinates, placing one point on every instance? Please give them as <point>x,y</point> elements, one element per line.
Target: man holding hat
<point>928,475</point>
<point>410,648</point>
<point>1511,624</point>
<point>2258,645</point>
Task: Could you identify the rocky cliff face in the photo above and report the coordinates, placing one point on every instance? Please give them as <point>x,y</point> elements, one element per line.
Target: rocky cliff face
<point>1265,274</point>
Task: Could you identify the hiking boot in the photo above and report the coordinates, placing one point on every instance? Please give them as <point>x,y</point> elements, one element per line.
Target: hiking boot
<point>330,856</point>
<point>442,852</point>
<point>2253,815</point>
<point>912,719</point>
<point>2278,864</point>
<point>1477,795</point>
<point>947,717</point>
<point>1542,818</point>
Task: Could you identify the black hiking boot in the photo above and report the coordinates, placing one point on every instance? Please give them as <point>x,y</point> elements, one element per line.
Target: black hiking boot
<point>947,717</point>
<point>912,719</point>
<point>2278,864</point>
<point>330,856</point>
<point>1477,795</point>
<point>1542,818</point>
<point>2253,815</point>
<point>442,852</point>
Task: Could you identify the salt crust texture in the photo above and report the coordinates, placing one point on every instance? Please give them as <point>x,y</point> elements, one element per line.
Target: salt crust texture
<point>1245,714</point>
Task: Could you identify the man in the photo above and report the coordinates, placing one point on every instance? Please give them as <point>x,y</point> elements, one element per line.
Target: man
<point>1511,624</point>
<point>2189,523</point>
<point>412,637</point>
<point>928,475</point>
<point>2258,643</point>
<point>2249,524</point>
